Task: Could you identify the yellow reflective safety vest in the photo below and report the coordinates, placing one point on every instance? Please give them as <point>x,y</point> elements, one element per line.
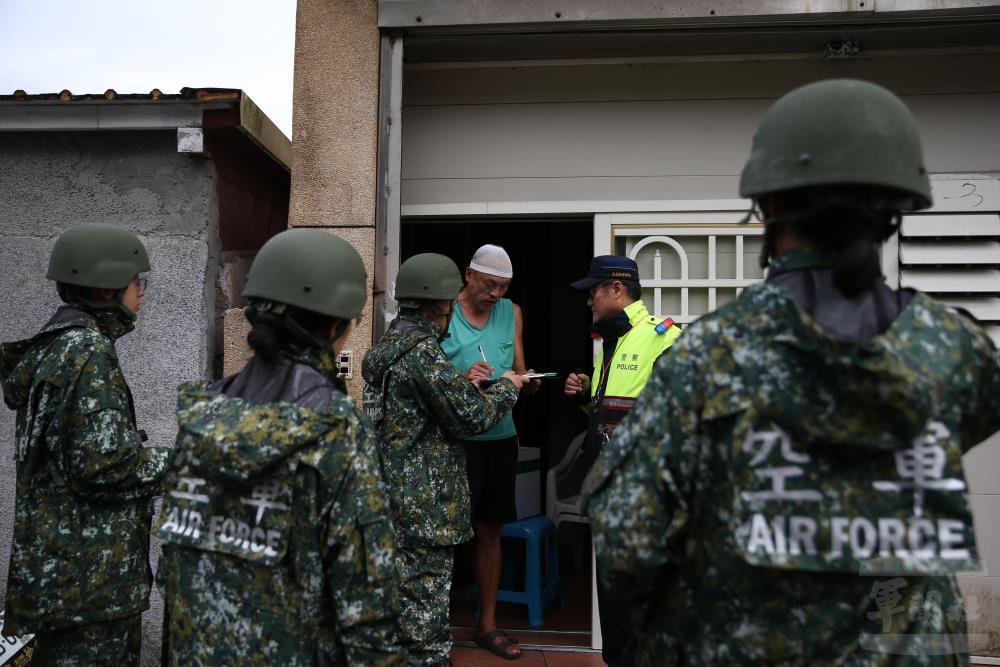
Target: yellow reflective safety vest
<point>632,364</point>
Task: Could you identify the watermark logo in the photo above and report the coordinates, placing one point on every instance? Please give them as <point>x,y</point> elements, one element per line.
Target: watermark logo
<point>918,615</point>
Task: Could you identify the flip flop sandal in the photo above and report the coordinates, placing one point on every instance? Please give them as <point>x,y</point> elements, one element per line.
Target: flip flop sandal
<point>486,642</point>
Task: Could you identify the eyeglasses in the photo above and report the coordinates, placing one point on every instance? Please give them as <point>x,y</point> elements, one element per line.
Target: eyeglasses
<point>141,282</point>
<point>606,283</point>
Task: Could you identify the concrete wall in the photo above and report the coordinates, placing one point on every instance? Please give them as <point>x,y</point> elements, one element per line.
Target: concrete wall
<point>50,181</point>
<point>334,134</point>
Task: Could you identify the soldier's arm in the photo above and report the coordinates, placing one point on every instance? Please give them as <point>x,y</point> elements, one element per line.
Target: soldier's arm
<point>638,490</point>
<point>360,564</point>
<point>982,418</point>
<point>451,398</point>
<point>100,453</point>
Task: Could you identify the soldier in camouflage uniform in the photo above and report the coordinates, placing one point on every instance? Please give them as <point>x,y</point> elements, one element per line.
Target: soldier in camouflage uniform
<point>425,408</point>
<point>789,487</point>
<point>79,564</point>
<point>278,547</point>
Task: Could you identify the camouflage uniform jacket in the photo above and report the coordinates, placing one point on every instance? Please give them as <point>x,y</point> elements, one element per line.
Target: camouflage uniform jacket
<point>425,408</point>
<point>84,481</point>
<point>278,547</point>
<point>778,496</point>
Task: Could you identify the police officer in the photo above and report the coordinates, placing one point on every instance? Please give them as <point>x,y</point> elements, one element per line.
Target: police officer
<point>278,547</point>
<point>425,407</point>
<point>79,565</point>
<point>789,488</point>
<point>631,342</point>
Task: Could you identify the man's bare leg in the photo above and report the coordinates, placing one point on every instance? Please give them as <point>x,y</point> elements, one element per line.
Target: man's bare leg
<point>488,566</point>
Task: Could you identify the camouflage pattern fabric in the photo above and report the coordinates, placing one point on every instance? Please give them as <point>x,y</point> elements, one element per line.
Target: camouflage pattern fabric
<point>278,548</point>
<point>424,588</point>
<point>425,408</point>
<point>782,497</point>
<point>116,643</point>
<point>84,480</point>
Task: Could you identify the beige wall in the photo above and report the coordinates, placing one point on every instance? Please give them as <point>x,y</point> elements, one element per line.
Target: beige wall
<point>654,131</point>
<point>334,133</point>
<point>334,145</point>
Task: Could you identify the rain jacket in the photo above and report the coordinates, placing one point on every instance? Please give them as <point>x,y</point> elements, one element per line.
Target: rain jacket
<point>425,408</point>
<point>781,495</point>
<point>278,547</point>
<point>80,551</point>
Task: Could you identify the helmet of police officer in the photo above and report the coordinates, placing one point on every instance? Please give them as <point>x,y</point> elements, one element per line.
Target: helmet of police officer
<point>839,142</point>
<point>312,270</point>
<point>428,276</point>
<point>97,255</point>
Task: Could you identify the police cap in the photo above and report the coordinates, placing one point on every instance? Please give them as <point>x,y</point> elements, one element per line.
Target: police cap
<point>608,267</point>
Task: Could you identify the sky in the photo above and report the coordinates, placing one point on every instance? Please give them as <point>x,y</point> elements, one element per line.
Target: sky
<point>133,46</point>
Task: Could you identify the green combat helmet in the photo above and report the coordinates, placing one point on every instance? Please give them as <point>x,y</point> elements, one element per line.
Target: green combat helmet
<point>96,255</point>
<point>312,270</point>
<point>850,142</point>
<point>428,276</point>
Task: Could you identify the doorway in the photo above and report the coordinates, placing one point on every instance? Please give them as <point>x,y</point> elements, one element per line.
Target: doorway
<point>547,254</point>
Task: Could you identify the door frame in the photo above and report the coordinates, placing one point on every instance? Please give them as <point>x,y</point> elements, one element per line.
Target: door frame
<point>608,216</point>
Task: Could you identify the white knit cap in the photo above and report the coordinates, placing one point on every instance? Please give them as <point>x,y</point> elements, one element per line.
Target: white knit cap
<point>492,259</point>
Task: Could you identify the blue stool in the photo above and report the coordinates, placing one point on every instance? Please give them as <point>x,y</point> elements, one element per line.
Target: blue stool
<point>540,579</point>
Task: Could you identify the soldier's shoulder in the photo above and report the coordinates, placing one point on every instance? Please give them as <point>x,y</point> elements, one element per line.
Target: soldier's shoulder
<point>348,438</point>
<point>949,325</point>
<point>930,312</point>
<point>426,351</point>
<point>759,309</point>
<point>81,339</point>
<point>70,350</point>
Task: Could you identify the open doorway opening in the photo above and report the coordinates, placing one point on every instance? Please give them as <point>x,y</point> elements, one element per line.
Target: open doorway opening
<point>547,254</point>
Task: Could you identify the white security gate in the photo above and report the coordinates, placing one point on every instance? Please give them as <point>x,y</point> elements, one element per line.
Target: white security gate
<point>690,262</point>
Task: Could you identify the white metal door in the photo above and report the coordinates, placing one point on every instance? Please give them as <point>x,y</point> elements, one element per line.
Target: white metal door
<point>690,262</point>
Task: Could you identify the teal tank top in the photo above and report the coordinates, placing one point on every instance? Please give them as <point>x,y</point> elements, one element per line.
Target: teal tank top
<point>497,340</point>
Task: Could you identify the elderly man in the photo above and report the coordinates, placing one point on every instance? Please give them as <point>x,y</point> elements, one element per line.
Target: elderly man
<point>485,341</point>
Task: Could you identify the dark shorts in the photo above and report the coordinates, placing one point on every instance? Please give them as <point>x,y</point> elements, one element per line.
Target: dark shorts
<point>492,469</point>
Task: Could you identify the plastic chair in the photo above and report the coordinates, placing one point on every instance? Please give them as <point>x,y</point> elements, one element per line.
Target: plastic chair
<point>540,584</point>
<point>571,507</point>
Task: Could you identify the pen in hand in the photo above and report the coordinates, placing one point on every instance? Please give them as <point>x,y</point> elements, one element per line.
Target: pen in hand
<point>483,355</point>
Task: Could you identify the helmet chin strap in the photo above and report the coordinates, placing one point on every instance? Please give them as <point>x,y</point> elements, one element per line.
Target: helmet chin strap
<point>437,312</point>
<point>278,315</point>
<point>74,295</point>
<point>339,330</point>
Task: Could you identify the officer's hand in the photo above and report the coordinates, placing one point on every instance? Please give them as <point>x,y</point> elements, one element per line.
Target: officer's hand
<point>479,371</point>
<point>576,384</point>
<point>531,386</point>
<point>518,380</point>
